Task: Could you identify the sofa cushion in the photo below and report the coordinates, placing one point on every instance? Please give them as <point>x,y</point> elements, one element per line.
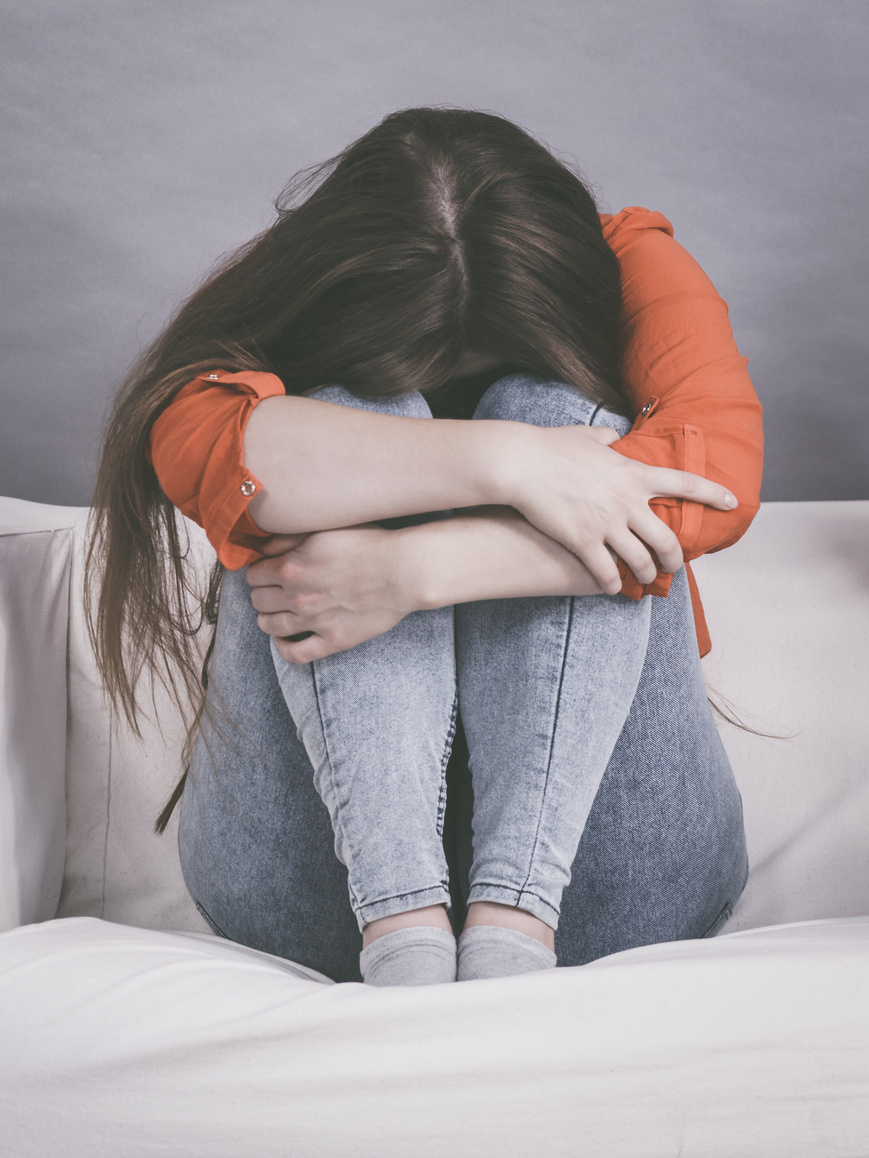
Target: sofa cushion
<point>117,783</point>
<point>34,608</point>
<point>788,610</point>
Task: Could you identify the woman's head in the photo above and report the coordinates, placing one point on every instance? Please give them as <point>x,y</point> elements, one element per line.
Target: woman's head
<point>439,240</point>
<point>438,233</point>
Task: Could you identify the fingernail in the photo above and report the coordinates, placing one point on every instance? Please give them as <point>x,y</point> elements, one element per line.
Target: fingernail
<point>730,502</point>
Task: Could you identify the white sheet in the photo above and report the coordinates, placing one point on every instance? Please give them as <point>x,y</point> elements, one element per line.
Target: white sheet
<point>125,1043</point>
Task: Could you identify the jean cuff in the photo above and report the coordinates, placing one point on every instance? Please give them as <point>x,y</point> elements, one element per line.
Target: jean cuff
<point>402,903</point>
<point>516,899</point>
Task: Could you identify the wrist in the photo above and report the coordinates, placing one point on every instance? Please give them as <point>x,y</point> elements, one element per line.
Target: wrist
<point>411,567</point>
<point>498,453</point>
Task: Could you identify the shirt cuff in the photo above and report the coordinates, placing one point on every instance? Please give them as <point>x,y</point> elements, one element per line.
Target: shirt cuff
<point>680,448</point>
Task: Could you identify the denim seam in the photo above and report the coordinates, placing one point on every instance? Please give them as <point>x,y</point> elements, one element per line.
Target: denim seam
<point>590,422</point>
<point>445,759</point>
<point>720,921</point>
<point>215,928</point>
<point>551,748</point>
<point>332,777</point>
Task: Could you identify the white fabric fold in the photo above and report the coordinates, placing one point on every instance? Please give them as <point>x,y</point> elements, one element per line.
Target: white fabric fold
<point>123,1041</point>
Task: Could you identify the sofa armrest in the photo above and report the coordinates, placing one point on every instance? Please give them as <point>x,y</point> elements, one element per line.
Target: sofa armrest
<point>35,549</point>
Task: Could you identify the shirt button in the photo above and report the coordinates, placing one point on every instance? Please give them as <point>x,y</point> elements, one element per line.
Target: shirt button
<point>646,409</point>
<point>212,377</point>
<point>248,487</point>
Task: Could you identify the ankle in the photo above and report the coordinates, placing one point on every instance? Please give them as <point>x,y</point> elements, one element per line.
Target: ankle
<point>432,916</point>
<point>506,917</point>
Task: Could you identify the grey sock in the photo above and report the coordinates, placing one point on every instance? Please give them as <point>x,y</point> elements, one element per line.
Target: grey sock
<point>490,951</point>
<point>420,955</point>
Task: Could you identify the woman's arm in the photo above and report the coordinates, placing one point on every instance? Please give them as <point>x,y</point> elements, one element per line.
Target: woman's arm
<point>233,446</point>
<point>322,466</point>
<point>349,585</point>
<point>695,404</point>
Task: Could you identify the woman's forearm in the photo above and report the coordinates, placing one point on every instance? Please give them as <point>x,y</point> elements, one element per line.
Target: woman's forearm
<point>488,553</point>
<point>323,466</point>
<point>332,590</point>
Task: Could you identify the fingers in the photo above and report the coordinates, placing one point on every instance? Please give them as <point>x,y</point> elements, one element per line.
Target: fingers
<point>603,567</point>
<point>265,572</point>
<point>272,599</point>
<point>660,539</point>
<point>306,650</point>
<point>294,642</point>
<point>636,555</point>
<point>272,571</point>
<point>681,484</point>
<point>283,623</point>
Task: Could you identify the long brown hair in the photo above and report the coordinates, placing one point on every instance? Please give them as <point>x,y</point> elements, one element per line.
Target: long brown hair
<point>440,231</point>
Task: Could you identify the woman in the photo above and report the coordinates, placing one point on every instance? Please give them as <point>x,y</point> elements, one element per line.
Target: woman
<point>451,627</point>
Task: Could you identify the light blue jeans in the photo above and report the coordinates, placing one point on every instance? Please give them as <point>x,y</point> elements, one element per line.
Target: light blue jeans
<point>556,699</point>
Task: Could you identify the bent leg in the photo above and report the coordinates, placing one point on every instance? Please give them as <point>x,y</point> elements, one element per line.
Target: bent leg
<point>377,722</point>
<point>255,838</point>
<point>663,855</point>
<point>662,851</point>
<point>545,687</point>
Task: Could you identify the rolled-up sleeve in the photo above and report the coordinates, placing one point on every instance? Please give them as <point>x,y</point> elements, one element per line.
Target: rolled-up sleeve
<point>196,449</point>
<point>696,407</point>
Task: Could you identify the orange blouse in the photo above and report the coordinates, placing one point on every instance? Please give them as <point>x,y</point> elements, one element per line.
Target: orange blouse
<point>696,410</point>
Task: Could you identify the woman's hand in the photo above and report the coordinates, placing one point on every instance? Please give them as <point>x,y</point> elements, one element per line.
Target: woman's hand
<point>343,586</point>
<point>567,482</point>
<point>350,585</point>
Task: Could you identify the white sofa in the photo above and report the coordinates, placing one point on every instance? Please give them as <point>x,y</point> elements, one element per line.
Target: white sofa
<point>126,1029</point>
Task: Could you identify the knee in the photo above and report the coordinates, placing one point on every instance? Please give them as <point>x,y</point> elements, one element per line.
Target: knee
<point>410,405</point>
<point>543,402</point>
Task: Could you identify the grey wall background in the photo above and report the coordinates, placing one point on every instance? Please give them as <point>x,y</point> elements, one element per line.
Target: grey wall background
<point>142,140</point>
